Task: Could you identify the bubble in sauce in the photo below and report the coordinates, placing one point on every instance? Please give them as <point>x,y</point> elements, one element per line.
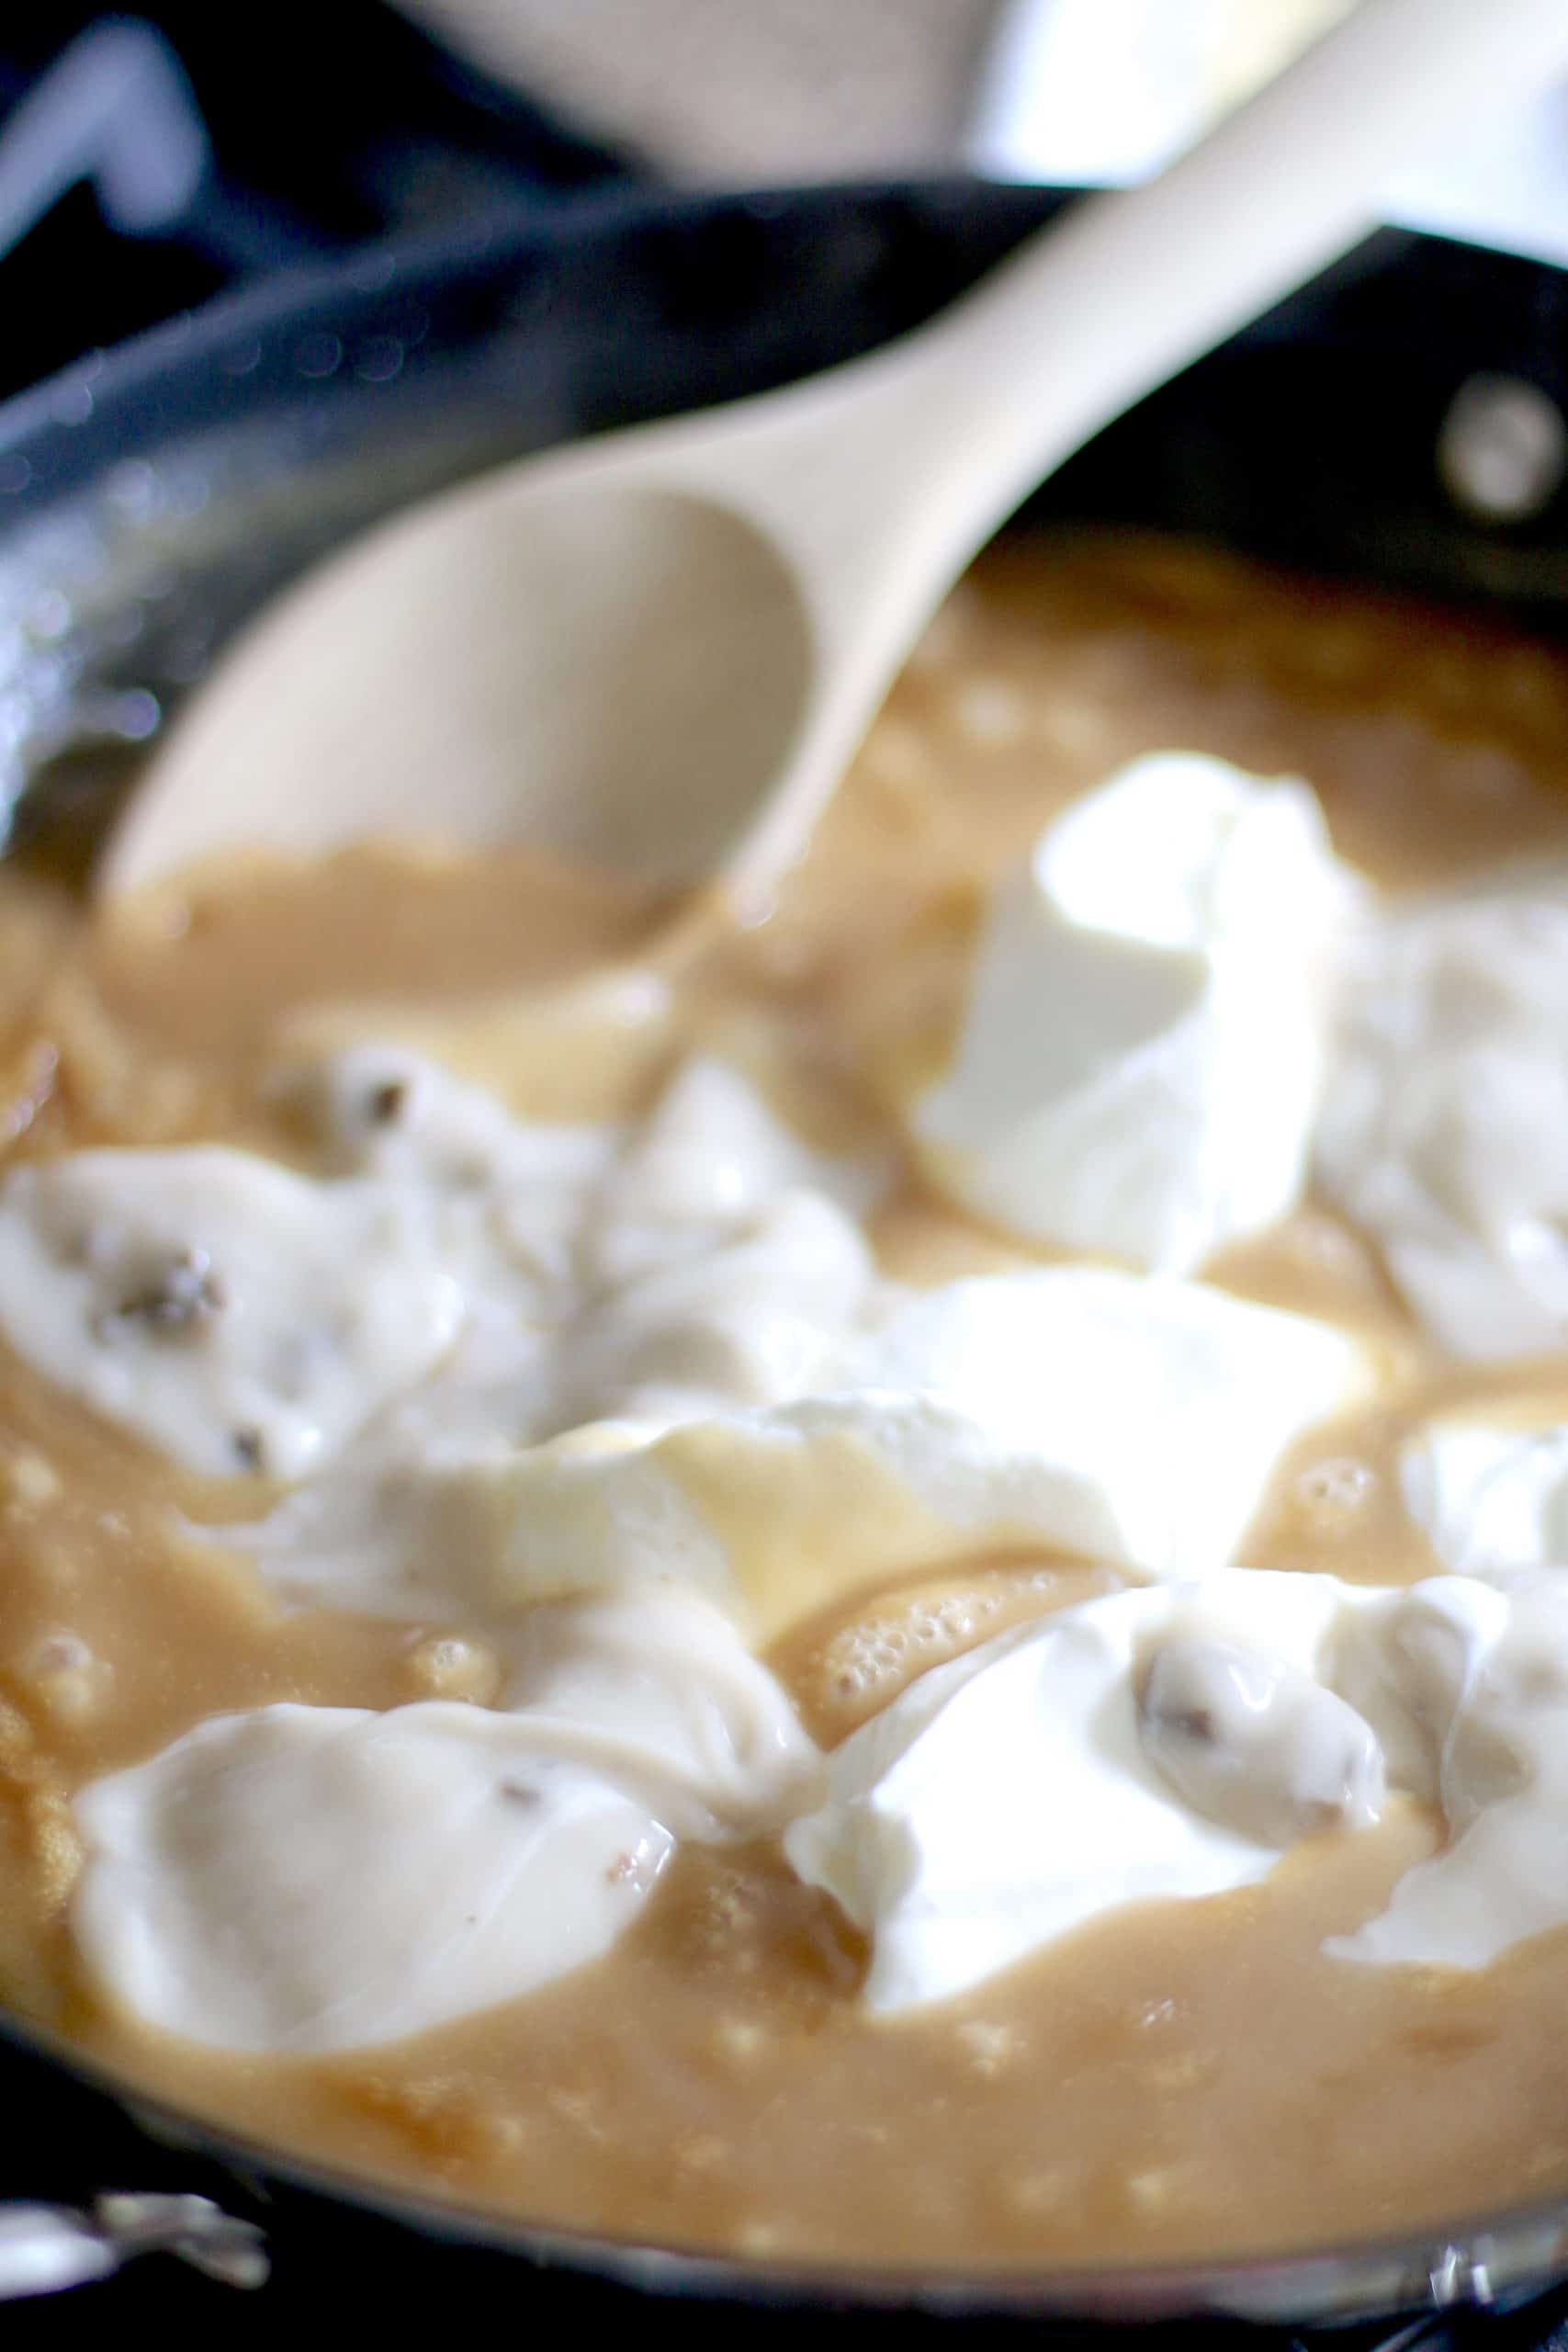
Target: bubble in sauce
<point>64,1672</point>
<point>29,1481</point>
<point>448,1667</point>
<point>1331,1492</point>
<point>990,713</point>
<point>877,1656</point>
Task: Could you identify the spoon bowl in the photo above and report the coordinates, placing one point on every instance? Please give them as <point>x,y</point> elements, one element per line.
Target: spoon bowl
<point>383,697</point>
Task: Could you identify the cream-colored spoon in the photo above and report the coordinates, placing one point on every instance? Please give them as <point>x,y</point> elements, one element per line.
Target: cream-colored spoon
<point>659,650</point>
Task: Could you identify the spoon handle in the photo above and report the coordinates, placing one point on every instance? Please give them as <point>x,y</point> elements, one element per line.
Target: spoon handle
<point>880,480</point>
<point>1136,284</point>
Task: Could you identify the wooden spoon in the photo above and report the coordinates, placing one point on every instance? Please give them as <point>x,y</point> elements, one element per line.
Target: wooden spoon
<point>659,650</point>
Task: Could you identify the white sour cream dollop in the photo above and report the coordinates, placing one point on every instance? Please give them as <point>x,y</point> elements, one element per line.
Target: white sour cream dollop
<point>1468,1685</point>
<point>1011,1795</point>
<point>1141,1061</point>
<point>1170,1741</point>
<point>320,1878</point>
<point>1118,1417</point>
<point>1445,1127</point>
<point>237,1315</point>
<point>1488,1496</point>
<point>453,1272</point>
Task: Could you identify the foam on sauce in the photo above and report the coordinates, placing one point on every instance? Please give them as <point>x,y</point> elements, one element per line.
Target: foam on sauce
<point>1178,2078</point>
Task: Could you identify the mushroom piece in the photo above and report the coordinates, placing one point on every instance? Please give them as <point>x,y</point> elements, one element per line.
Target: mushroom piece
<point>1254,1744</point>
<point>178,1299</point>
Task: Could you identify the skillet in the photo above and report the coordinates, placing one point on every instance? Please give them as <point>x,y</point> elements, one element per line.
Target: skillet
<point>153,496</point>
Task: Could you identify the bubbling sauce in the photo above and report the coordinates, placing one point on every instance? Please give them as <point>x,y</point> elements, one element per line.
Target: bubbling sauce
<point>1174,2079</point>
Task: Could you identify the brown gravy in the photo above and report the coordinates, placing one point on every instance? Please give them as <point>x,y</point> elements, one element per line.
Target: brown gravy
<point>1176,2080</point>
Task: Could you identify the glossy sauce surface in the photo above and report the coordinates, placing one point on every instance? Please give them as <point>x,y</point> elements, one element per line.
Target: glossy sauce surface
<point>1180,2079</point>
